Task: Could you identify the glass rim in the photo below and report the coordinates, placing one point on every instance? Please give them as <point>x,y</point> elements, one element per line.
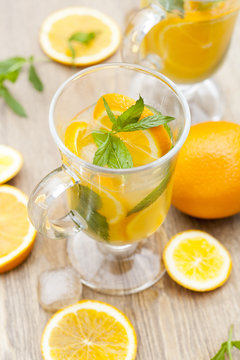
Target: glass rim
<point>97,168</point>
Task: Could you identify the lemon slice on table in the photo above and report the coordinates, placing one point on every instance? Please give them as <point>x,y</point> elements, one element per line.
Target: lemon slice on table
<point>16,232</point>
<point>197,261</point>
<point>89,330</point>
<point>61,25</point>
<point>10,163</point>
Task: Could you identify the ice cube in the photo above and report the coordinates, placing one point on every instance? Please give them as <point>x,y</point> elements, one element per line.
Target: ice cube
<point>59,288</point>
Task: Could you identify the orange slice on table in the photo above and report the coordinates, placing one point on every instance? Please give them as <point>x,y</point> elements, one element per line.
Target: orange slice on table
<point>16,232</point>
<point>61,25</point>
<point>89,330</point>
<point>10,163</point>
<point>197,261</point>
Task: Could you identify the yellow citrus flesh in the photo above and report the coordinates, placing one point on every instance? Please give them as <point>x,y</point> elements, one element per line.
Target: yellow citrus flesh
<point>59,26</point>
<point>16,232</point>
<point>197,261</point>
<point>10,163</point>
<point>89,330</point>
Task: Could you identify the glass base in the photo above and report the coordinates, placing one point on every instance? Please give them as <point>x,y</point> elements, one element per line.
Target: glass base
<point>205,101</point>
<point>118,270</point>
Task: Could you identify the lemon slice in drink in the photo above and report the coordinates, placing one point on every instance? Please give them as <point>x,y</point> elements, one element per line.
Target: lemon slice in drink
<point>89,330</point>
<point>61,25</point>
<point>197,261</point>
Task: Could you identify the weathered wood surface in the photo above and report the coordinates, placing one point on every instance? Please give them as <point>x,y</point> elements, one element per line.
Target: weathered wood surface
<point>171,322</point>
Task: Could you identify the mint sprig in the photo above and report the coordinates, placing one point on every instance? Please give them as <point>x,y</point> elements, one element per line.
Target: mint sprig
<point>9,71</point>
<point>173,5</point>
<point>226,347</point>
<point>80,37</point>
<point>111,149</point>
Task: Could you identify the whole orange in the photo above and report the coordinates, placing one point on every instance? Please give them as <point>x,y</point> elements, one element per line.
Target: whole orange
<point>207,177</point>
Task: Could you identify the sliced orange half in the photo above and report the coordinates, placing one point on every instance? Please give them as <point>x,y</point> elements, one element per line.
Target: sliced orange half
<point>197,261</point>
<point>10,163</point>
<point>16,232</point>
<point>89,330</point>
<point>61,25</point>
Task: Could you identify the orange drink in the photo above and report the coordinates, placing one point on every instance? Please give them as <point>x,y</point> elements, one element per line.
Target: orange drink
<point>192,46</point>
<point>112,214</point>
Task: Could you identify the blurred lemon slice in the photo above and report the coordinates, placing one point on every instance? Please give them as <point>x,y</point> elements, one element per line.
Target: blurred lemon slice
<point>10,163</point>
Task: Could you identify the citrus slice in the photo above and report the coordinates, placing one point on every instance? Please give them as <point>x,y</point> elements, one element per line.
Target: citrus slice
<point>76,130</point>
<point>16,232</point>
<point>61,25</point>
<point>10,163</point>
<point>89,330</point>
<point>145,146</point>
<point>197,261</point>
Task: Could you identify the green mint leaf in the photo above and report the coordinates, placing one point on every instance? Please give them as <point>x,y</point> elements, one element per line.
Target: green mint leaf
<point>73,53</point>
<point>11,65</point>
<point>166,126</point>
<point>99,137</point>
<point>221,353</point>
<point>88,203</point>
<point>131,115</point>
<point>82,37</point>
<point>12,102</point>
<point>109,112</point>
<point>101,156</point>
<point>34,78</point>
<point>173,5</point>
<point>119,156</point>
<point>152,197</point>
<point>236,344</point>
<point>148,122</point>
<point>229,343</point>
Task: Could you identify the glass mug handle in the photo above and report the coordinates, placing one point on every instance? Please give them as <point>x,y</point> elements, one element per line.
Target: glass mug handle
<point>43,200</point>
<point>142,22</point>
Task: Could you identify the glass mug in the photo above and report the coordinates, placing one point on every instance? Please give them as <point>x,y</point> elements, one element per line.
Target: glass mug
<point>188,48</point>
<point>115,250</point>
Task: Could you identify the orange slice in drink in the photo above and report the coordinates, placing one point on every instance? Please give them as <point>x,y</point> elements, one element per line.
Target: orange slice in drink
<point>89,330</point>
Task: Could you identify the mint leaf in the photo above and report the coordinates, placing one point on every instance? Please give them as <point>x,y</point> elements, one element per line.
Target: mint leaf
<point>131,115</point>
<point>173,5</point>
<point>229,343</point>
<point>88,205</point>
<point>11,65</point>
<point>101,156</point>
<point>236,344</point>
<point>148,122</point>
<point>119,157</point>
<point>12,102</point>
<point>34,78</point>
<point>109,112</point>
<point>112,151</point>
<point>82,37</point>
<point>221,353</point>
<point>152,197</point>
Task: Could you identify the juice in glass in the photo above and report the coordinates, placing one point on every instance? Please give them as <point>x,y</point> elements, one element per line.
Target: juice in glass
<point>116,209</point>
<point>191,47</point>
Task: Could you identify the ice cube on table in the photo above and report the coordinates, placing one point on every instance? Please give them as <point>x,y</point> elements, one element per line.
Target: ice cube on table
<point>59,288</point>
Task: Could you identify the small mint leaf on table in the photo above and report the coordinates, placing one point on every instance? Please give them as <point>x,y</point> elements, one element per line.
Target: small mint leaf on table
<point>221,353</point>
<point>236,344</point>
<point>11,65</point>
<point>34,78</point>
<point>226,347</point>
<point>11,101</point>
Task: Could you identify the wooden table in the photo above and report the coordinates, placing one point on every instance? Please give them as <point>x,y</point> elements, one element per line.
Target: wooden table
<point>171,323</point>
